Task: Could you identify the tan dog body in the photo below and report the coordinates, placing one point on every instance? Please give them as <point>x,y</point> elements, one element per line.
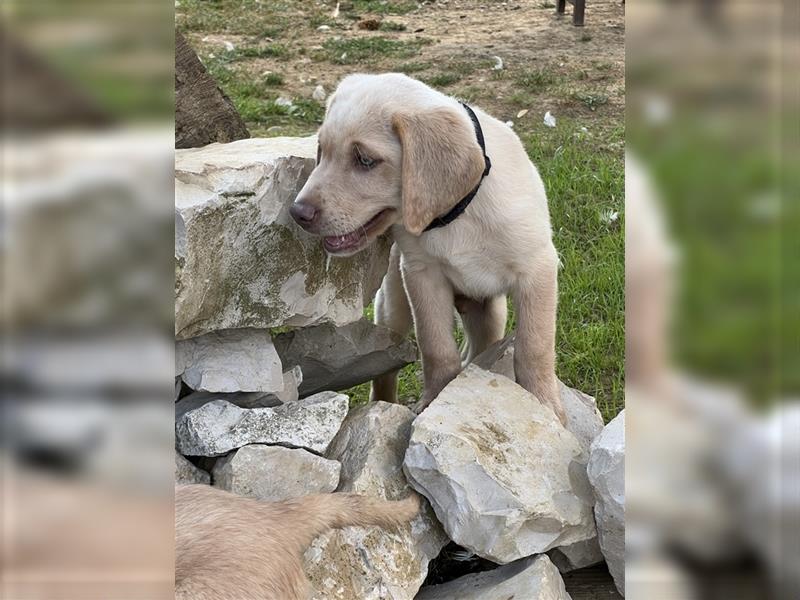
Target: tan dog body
<point>233,548</point>
<point>422,158</point>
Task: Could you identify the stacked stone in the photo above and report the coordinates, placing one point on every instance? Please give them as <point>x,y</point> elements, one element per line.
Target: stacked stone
<point>269,333</point>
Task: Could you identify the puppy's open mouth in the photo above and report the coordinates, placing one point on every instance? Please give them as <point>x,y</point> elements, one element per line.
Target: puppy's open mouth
<point>355,240</point>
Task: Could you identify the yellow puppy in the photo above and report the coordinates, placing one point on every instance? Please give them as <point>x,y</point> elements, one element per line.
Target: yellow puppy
<point>233,548</point>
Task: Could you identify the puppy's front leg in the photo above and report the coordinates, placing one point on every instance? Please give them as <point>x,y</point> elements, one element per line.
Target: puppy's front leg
<point>534,349</point>
<point>431,297</point>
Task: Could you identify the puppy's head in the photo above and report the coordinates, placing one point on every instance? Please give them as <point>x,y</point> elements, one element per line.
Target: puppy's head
<point>391,150</point>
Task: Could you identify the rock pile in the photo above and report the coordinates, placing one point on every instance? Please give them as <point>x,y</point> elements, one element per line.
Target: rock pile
<point>270,332</point>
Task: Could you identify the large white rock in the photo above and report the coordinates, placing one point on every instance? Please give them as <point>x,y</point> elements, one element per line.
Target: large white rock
<point>275,473</point>
<point>583,418</point>
<point>218,427</point>
<point>186,472</point>
<point>237,360</point>
<point>606,471</point>
<point>534,578</point>
<point>373,563</point>
<point>503,475</point>
<point>337,358</point>
<point>240,259</point>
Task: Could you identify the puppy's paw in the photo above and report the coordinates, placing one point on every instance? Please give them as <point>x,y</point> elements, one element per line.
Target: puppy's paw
<point>553,402</point>
<point>559,410</point>
<point>421,405</point>
<point>548,395</point>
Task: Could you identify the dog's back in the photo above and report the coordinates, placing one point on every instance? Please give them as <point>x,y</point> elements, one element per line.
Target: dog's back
<point>229,547</point>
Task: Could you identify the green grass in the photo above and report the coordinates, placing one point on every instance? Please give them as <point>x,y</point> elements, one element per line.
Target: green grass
<point>383,7</point>
<point>592,100</point>
<point>442,79</point>
<point>535,80</point>
<point>363,49</point>
<point>268,51</point>
<point>266,20</point>
<point>273,79</point>
<point>585,179</point>
<point>254,98</point>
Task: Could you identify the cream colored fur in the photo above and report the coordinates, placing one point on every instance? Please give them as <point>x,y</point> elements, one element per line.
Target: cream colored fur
<point>428,158</point>
<point>233,548</point>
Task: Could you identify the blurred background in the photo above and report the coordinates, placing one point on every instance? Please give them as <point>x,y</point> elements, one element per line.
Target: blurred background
<point>712,300</point>
<point>712,307</point>
<point>87,436</point>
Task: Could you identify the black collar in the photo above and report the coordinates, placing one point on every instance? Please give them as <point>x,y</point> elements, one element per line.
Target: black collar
<point>459,208</point>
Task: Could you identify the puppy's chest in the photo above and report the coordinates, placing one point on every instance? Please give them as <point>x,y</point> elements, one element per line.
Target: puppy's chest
<point>473,268</point>
<point>476,274</point>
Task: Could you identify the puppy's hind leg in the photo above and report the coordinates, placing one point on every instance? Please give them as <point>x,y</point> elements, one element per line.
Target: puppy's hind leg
<point>392,311</point>
<point>484,324</point>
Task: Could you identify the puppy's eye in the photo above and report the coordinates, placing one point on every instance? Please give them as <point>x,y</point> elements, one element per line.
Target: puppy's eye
<point>319,153</point>
<point>363,160</point>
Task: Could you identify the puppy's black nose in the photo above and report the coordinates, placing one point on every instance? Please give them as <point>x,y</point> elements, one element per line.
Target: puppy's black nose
<point>304,213</point>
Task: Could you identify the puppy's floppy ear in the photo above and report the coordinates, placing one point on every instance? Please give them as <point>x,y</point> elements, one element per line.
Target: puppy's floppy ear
<point>442,163</point>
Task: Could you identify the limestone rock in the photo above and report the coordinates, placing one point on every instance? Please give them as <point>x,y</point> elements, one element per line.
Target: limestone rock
<point>240,259</point>
<point>275,473</point>
<point>238,360</point>
<point>499,357</point>
<point>534,578</point>
<point>583,418</point>
<point>577,556</point>
<point>503,475</point>
<point>606,471</point>
<point>218,427</point>
<point>337,358</point>
<point>372,563</point>
<point>291,380</point>
<point>241,399</point>
<point>291,386</point>
<point>186,472</point>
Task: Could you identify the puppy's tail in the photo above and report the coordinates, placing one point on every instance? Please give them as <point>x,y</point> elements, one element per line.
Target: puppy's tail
<point>323,512</point>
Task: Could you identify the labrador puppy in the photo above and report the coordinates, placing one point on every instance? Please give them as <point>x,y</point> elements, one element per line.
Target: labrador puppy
<point>468,214</point>
<point>233,548</point>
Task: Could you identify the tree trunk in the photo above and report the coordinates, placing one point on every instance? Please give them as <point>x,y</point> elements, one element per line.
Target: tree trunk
<point>203,113</point>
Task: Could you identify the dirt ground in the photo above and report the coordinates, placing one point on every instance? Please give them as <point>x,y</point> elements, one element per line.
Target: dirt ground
<point>451,44</point>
